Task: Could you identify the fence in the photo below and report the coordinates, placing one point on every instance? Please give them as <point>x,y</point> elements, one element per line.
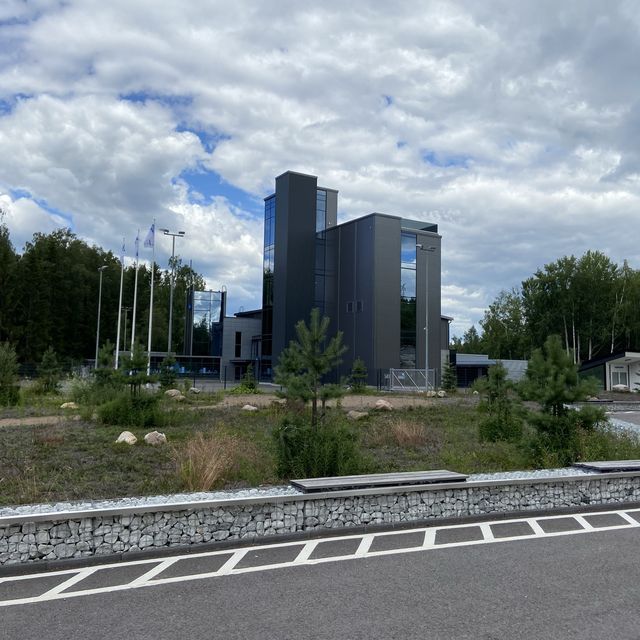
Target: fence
<point>411,380</point>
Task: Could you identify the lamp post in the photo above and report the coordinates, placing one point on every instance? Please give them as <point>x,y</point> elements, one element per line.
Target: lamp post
<point>179,234</point>
<point>100,271</point>
<point>427,250</point>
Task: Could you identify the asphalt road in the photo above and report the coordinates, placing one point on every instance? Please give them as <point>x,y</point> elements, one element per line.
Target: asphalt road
<point>565,583</point>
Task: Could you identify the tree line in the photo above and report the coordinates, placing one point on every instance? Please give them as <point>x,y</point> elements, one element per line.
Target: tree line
<point>590,302</point>
<point>49,298</point>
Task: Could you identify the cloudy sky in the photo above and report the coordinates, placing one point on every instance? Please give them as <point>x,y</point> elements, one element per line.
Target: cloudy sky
<point>514,126</point>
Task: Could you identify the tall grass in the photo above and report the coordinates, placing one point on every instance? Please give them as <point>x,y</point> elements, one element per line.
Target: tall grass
<point>203,461</point>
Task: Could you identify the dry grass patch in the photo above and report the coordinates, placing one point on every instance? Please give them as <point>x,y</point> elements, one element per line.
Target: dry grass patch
<point>204,461</point>
<point>409,434</point>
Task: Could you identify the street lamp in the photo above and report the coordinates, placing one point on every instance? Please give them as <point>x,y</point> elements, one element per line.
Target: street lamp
<point>428,249</point>
<point>100,271</point>
<point>179,234</point>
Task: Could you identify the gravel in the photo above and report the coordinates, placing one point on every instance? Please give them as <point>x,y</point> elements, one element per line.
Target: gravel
<point>628,428</point>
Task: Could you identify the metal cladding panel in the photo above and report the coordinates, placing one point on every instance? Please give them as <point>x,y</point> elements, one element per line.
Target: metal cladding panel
<point>294,255</point>
<point>356,293</point>
<point>428,268</point>
<point>387,293</point>
<point>346,288</point>
<point>364,311</point>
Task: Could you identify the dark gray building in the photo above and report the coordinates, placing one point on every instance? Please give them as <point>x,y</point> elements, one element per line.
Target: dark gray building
<point>377,278</point>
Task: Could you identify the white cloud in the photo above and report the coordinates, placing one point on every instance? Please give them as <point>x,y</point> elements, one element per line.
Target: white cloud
<point>511,125</point>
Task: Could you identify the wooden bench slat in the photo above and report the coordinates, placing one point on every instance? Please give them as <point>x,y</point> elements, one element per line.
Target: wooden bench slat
<point>377,480</point>
<point>608,466</point>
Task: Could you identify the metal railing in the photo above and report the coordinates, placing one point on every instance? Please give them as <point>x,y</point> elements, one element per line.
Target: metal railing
<point>411,380</point>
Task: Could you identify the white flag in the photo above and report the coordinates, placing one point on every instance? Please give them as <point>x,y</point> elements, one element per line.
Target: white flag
<point>150,239</point>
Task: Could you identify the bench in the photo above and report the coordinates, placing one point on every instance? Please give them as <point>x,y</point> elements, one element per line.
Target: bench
<point>610,466</point>
<point>339,483</point>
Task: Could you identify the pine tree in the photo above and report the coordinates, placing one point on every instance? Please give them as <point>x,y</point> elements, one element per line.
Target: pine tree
<point>306,360</point>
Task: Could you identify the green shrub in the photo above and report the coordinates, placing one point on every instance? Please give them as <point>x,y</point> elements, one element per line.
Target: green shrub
<point>167,376</point>
<point>49,372</point>
<point>450,378</point>
<point>128,410</point>
<point>304,451</point>
<point>248,384</point>
<point>359,376</point>
<point>503,421</point>
<point>497,428</point>
<point>9,390</point>
<point>9,395</point>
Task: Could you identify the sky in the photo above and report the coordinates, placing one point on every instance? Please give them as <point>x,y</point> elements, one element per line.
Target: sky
<point>512,125</point>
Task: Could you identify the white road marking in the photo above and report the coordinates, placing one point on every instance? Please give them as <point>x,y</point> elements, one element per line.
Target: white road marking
<point>307,550</point>
<point>58,589</point>
<point>583,522</point>
<point>487,533</point>
<point>154,571</point>
<point>429,538</point>
<point>229,568</point>
<point>365,543</point>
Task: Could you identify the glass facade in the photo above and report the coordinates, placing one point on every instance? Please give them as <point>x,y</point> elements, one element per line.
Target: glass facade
<point>321,250</point>
<point>408,300</point>
<point>267,275</point>
<point>321,210</point>
<point>207,317</point>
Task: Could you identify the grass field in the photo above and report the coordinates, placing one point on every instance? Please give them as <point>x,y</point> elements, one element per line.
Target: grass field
<point>76,457</point>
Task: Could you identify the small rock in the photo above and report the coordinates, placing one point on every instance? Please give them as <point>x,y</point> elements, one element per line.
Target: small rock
<point>179,398</point>
<point>475,393</point>
<point>155,438</point>
<point>619,387</point>
<point>592,398</point>
<point>357,415</point>
<point>442,393</point>
<point>431,394</point>
<point>194,390</point>
<point>383,405</point>
<point>173,393</point>
<point>249,407</point>
<point>69,405</point>
<point>126,437</point>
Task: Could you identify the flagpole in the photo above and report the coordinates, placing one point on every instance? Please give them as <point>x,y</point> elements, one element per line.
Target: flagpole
<point>153,266</point>
<point>135,294</point>
<point>120,306</point>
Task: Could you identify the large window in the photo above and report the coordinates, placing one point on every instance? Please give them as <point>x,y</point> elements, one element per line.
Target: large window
<point>408,301</point>
<point>207,312</point>
<point>267,273</point>
<point>619,376</point>
<point>321,210</point>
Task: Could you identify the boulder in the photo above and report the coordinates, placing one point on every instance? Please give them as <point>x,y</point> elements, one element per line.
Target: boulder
<point>592,398</point>
<point>69,405</point>
<point>126,437</point>
<point>249,407</point>
<point>442,393</point>
<point>619,387</point>
<point>431,394</point>
<point>155,438</point>
<point>383,405</point>
<point>475,393</point>
<point>357,415</point>
<point>173,393</point>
